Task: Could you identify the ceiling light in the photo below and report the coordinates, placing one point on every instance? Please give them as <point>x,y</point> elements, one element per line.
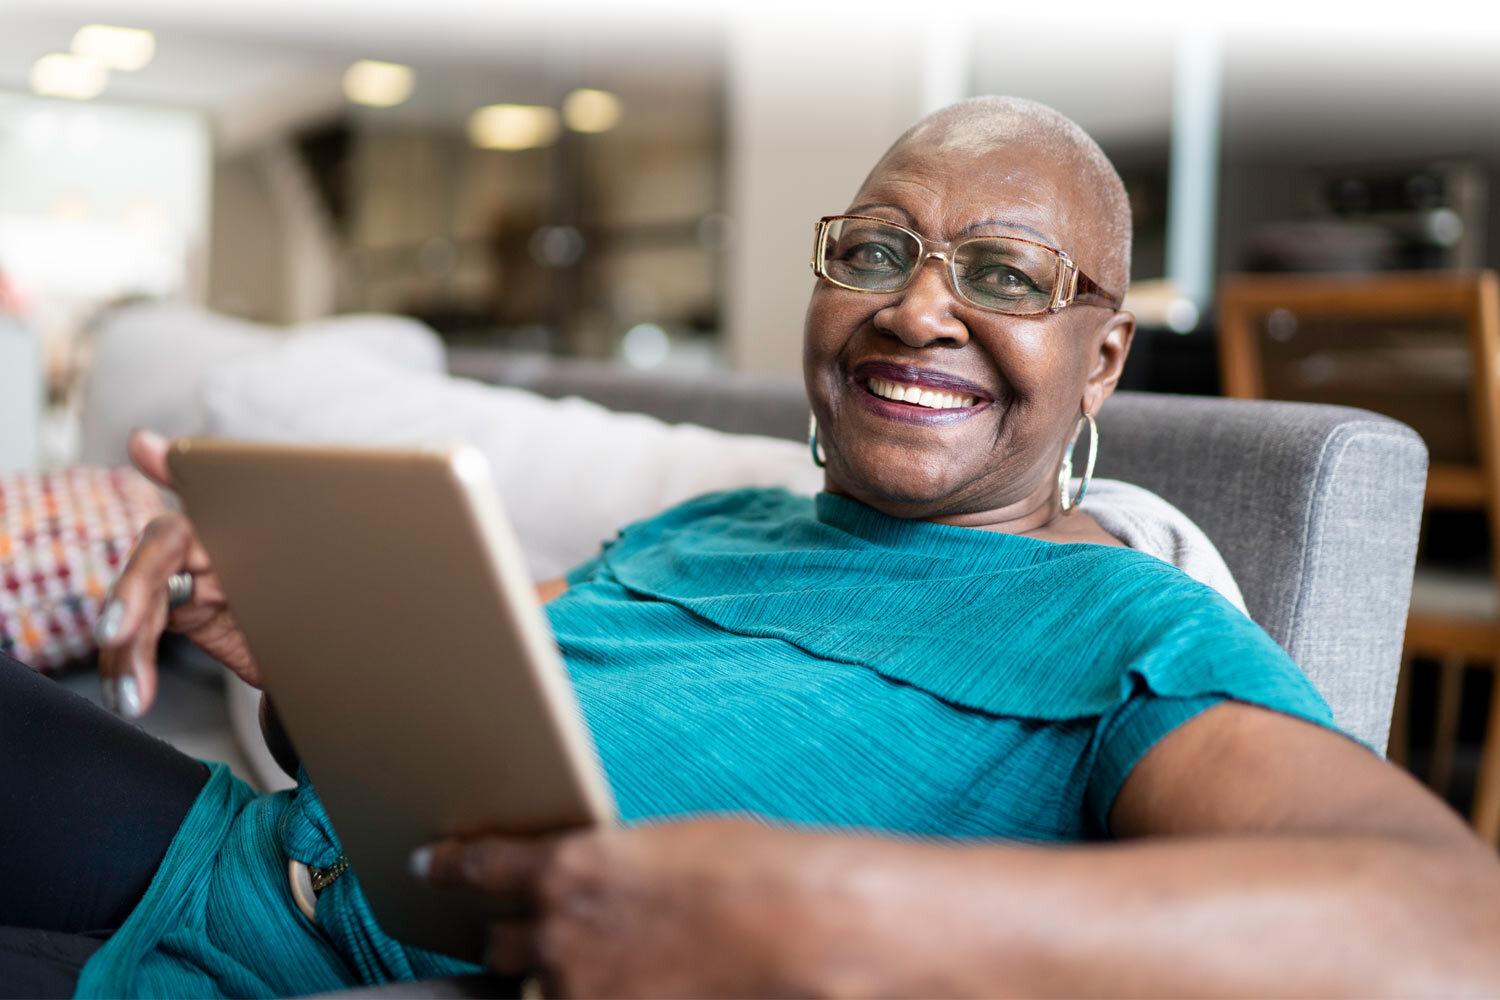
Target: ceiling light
<point>513,126</point>
<point>378,84</point>
<point>587,110</point>
<point>117,48</point>
<point>62,75</point>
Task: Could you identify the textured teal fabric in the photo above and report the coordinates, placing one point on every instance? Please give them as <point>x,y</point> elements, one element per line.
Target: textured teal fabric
<point>218,919</point>
<point>804,660</point>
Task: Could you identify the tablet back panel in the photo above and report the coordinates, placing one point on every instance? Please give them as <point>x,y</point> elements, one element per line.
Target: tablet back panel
<point>387,603</point>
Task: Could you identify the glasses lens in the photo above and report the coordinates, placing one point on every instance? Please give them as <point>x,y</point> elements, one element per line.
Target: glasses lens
<point>1006,275</point>
<point>874,256</point>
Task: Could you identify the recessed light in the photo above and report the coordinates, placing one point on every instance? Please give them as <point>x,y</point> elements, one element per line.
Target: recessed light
<point>114,47</point>
<point>513,126</point>
<point>378,84</point>
<point>588,110</point>
<point>63,75</point>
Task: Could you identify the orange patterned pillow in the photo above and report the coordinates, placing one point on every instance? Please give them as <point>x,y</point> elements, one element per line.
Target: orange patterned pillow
<point>64,536</point>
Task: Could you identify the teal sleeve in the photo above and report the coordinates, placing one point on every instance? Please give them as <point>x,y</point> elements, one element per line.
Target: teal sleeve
<point>1124,735</point>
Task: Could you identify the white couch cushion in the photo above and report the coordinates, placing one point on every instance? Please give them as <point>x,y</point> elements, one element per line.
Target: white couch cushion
<point>569,472</point>
<point>149,359</point>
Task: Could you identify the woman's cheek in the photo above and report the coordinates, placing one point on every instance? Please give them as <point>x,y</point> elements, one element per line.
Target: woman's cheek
<point>1033,369</point>
<point>830,328</point>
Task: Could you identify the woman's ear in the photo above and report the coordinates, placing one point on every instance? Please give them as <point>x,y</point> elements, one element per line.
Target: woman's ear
<point>1113,346</point>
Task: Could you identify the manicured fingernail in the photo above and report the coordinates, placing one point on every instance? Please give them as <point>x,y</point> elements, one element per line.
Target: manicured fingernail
<point>110,620</point>
<point>420,862</point>
<point>128,693</point>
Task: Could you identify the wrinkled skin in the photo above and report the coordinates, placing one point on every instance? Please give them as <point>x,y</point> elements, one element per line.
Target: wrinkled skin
<point>168,545</point>
<point>656,911</point>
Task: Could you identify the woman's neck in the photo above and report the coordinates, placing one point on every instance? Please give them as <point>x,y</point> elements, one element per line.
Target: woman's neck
<point>1035,515</point>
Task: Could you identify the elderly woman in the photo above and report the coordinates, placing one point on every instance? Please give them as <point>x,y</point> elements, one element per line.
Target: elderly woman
<point>971,743</point>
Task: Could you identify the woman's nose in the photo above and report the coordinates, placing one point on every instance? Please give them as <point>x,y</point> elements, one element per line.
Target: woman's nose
<point>924,314</point>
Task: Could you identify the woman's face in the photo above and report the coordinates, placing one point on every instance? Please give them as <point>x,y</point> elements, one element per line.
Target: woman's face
<point>1028,376</point>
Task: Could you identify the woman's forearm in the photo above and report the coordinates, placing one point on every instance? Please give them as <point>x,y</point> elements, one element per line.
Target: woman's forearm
<point>1262,916</point>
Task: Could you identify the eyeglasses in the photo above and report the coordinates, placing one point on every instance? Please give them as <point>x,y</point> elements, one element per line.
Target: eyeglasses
<point>1003,274</point>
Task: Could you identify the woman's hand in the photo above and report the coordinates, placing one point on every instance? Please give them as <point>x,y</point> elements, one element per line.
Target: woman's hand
<point>700,908</point>
<point>136,613</point>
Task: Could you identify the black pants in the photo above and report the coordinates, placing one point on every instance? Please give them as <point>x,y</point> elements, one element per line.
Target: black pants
<point>88,806</point>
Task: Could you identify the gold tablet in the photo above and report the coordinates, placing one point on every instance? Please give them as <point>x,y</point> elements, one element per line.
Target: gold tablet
<point>386,600</point>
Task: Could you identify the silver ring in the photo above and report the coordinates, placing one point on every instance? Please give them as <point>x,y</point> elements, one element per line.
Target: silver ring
<point>179,589</point>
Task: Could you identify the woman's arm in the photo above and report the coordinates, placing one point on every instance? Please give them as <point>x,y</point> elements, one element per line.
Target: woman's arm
<point>1266,856</point>
<point>275,734</point>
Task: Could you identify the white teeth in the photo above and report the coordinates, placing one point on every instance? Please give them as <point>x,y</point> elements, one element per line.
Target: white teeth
<point>932,399</point>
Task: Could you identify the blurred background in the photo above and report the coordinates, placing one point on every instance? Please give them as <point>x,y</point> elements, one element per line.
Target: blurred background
<point>566,180</point>
<point>637,188</point>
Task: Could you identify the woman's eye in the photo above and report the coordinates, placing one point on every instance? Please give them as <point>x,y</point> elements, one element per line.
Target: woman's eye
<point>872,256</point>
<point>1003,281</point>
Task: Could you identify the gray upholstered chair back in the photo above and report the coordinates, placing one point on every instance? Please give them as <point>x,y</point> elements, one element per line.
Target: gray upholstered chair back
<point>1315,508</point>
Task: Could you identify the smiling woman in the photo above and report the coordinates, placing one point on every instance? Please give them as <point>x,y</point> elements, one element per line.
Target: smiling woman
<point>964,264</point>
<point>939,644</point>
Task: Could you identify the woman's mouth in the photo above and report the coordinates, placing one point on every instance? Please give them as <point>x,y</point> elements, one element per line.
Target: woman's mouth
<point>919,395</point>
<point>933,399</point>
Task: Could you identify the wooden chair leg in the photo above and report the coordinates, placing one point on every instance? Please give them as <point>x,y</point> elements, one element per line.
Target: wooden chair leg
<point>1445,733</point>
<point>1486,815</point>
<point>1398,746</point>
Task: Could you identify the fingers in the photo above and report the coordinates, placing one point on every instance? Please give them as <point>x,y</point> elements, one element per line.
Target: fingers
<point>161,551</point>
<point>148,452</point>
<point>140,660</point>
<point>135,615</point>
<point>511,947</point>
<point>118,684</point>
<point>507,867</point>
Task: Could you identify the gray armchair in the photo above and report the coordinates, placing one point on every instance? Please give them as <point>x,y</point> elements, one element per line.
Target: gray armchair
<point>1316,509</point>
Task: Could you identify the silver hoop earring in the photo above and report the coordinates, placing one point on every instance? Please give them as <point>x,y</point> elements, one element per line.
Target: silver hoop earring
<point>812,442</point>
<point>1065,474</point>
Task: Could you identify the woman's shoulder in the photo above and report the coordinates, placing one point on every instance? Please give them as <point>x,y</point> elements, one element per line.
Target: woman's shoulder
<point>1182,639</point>
<point>1148,523</point>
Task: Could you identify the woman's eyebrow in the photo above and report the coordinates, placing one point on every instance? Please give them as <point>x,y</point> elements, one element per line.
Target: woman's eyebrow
<point>1034,233</point>
<point>911,220</point>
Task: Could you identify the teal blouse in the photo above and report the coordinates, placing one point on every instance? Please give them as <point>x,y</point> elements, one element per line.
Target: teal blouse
<point>807,660</point>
